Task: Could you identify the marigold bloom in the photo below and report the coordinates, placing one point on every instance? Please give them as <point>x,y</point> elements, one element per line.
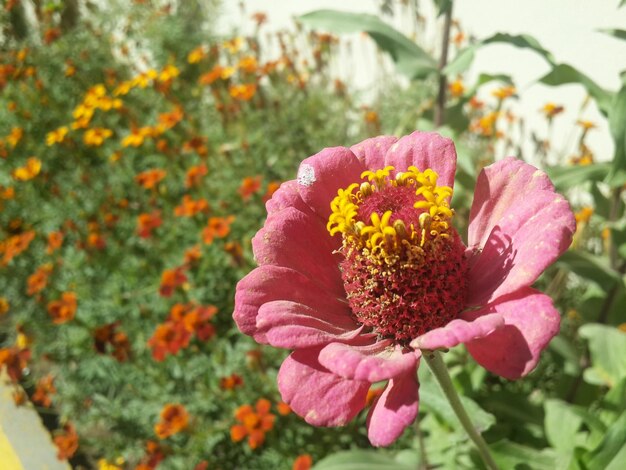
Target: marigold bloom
<point>550,110</point>
<point>302,462</point>
<point>231,382</point>
<point>196,55</point>
<point>194,175</point>
<point>44,389</point>
<point>38,281</point>
<point>15,245</point>
<point>15,359</point>
<point>217,227</point>
<point>56,136</point>
<point>28,171</point>
<point>384,275</point>
<point>190,207</point>
<point>4,306</point>
<point>108,335</point>
<point>66,442</point>
<point>243,92</point>
<point>170,280</point>
<point>15,136</point>
<point>504,92</point>
<point>283,408</point>
<point>174,419</point>
<point>254,423</point>
<point>137,136</point>
<point>150,178</point>
<point>63,309</point>
<point>147,222</point>
<point>249,186</point>
<point>55,240</point>
<point>96,136</point>
<point>169,120</point>
<point>456,88</point>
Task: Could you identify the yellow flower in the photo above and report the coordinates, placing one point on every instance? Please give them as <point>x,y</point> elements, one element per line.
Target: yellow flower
<point>551,110</point>
<point>504,92</point>
<point>56,136</point>
<point>234,45</point>
<point>586,125</point>
<point>456,88</point>
<point>196,55</point>
<point>123,88</point>
<point>96,136</point>
<point>242,92</point>
<point>168,73</point>
<point>15,136</point>
<point>28,171</point>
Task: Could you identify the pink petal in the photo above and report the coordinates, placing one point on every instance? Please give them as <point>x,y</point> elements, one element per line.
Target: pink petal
<point>458,331</point>
<point>319,396</point>
<point>425,150</point>
<point>500,189</point>
<point>530,322</point>
<point>372,363</point>
<point>286,195</point>
<point>372,151</point>
<point>394,410</point>
<point>268,283</point>
<point>530,237</point>
<point>299,241</point>
<point>323,174</point>
<point>292,325</point>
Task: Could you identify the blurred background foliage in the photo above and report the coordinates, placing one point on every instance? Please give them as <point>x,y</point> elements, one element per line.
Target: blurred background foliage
<point>138,148</point>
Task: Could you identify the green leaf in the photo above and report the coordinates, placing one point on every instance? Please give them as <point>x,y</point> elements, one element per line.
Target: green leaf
<point>465,57</point>
<point>611,453</point>
<point>509,454</point>
<point>607,346</point>
<point>566,177</point>
<point>617,124</point>
<point>617,33</point>
<point>360,460</point>
<point>561,425</point>
<point>443,6</point>
<point>590,267</point>
<point>563,74</point>
<point>410,59</point>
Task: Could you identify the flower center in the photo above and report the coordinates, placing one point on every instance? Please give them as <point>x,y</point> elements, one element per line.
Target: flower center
<point>404,269</point>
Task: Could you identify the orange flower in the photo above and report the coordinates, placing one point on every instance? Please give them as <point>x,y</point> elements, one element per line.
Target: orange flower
<point>66,442</point>
<point>283,408</point>
<point>211,76</point>
<point>249,186</point>
<point>196,144</point>
<point>456,88</point>
<point>4,306</point>
<point>155,455</point>
<point>15,245</point>
<point>371,117</point>
<point>168,338</point>
<point>137,136</point>
<point>231,382</point>
<point>64,309</point>
<point>51,35</point>
<point>586,125</point>
<point>196,55</point>
<point>169,120</point>
<point>248,64</point>
<point>302,462</point>
<point>174,419</point>
<point>504,92</point>
<point>259,18</point>
<point>217,227</point>
<point>243,92</point>
<point>192,255</point>
<point>150,178</point>
<point>170,280</point>
<point>96,136</point>
<point>16,360</point>
<point>28,171</point>
<point>146,223</point>
<point>15,136</point>
<point>118,340</point>
<point>45,388</point>
<point>372,394</point>
<point>38,281</point>
<point>57,136</point>
<point>190,207</point>
<point>195,174</point>
<point>551,110</point>
<point>55,240</point>
<point>254,423</point>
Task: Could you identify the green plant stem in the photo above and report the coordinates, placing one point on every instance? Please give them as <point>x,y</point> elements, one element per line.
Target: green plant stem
<point>440,107</point>
<point>440,371</point>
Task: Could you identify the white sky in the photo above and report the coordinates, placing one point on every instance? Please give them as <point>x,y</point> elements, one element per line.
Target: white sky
<point>567,28</point>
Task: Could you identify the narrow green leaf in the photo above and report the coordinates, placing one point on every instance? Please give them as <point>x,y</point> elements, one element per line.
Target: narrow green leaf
<point>465,57</point>
<point>567,177</point>
<point>607,346</point>
<point>410,59</point>
<point>589,267</point>
<point>443,6</point>
<point>360,460</point>
<point>563,74</point>
<point>611,454</point>
<point>617,33</point>
<point>509,455</point>
<point>617,124</point>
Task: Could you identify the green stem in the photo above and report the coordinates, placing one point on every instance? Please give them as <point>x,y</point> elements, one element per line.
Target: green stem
<point>440,371</point>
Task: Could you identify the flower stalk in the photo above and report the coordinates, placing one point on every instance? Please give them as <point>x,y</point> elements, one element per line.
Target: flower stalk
<point>440,371</point>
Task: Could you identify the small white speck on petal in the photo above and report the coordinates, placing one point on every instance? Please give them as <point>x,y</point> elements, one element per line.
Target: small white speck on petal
<point>306,175</point>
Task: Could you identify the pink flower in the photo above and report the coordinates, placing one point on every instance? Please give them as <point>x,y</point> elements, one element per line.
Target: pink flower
<point>360,269</point>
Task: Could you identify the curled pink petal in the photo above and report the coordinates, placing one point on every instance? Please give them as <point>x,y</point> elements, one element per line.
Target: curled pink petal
<point>292,325</point>
<point>458,331</point>
<point>372,151</point>
<point>425,150</point>
<point>372,363</point>
<point>285,196</point>
<point>394,410</point>
<point>268,283</point>
<point>320,176</point>
<point>299,241</point>
<point>518,227</point>
<point>530,322</point>
<point>319,396</point>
